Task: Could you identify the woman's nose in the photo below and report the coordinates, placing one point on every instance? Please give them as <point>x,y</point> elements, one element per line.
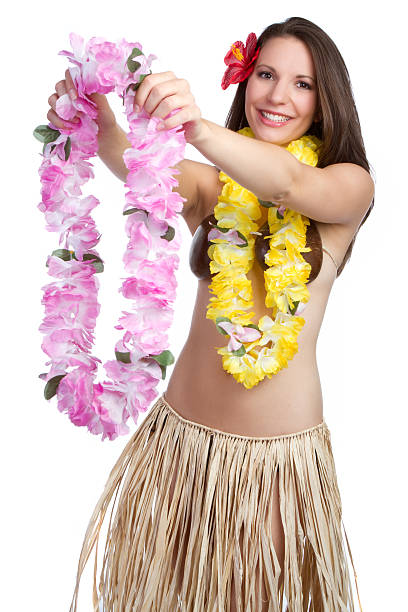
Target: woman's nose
<point>278,92</point>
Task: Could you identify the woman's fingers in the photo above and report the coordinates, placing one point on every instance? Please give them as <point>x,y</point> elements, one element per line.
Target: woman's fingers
<point>148,95</point>
<point>70,85</point>
<point>170,103</point>
<point>191,113</point>
<point>166,96</point>
<point>52,100</point>
<point>60,88</point>
<point>53,117</point>
<point>162,93</point>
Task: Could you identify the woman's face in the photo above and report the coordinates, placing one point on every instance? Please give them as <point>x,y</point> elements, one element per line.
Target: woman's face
<point>275,86</point>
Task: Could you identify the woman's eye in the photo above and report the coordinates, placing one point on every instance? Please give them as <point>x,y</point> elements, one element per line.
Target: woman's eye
<point>303,82</point>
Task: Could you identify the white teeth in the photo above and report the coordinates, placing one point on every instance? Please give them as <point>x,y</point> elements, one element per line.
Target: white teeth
<point>275,117</point>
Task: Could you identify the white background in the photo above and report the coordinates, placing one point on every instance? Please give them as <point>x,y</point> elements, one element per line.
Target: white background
<point>53,472</point>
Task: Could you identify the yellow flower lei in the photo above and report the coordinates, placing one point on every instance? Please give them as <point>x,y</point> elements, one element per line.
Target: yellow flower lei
<point>285,278</point>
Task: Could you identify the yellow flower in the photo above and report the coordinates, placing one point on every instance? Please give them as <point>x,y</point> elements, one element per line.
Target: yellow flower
<point>267,363</point>
<point>230,217</point>
<point>285,277</point>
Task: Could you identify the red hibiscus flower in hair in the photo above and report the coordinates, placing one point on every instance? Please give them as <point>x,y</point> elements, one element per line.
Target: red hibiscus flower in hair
<point>240,60</point>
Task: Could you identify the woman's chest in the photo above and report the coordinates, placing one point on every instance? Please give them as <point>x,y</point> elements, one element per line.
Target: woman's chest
<point>326,241</point>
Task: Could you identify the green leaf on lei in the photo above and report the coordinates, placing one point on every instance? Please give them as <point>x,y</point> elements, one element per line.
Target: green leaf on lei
<point>132,65</point>
<point>239,352</point>
<point>253,326</point>
<point>164,358</point>
<point>95,261</point>
<point>45,134</point>
<point>129,211</point>
<point>218,320</point>
<point>67,148</point>
<point>52,385</point>
<point>170,233</point>
<point>64,254</point>
<point>295,305</point>
<point>123,357</point>
<point>243,238</point>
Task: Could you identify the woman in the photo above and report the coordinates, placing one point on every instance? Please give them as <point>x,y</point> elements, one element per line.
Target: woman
<point>229,494</point>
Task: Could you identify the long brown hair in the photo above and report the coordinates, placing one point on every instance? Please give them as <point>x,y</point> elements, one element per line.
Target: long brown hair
<point>339,127</point>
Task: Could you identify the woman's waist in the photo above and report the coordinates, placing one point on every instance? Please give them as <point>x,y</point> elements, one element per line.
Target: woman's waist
<point>201,390</point>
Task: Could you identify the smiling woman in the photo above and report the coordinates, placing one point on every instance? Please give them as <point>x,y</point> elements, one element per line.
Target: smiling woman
<point>324,104</point>
<point>228,490</point>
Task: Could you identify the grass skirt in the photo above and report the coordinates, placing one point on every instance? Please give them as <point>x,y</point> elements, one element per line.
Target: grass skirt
<point>223,482</point>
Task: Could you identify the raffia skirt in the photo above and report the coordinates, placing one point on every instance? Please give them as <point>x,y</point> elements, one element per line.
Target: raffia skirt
<point>223,483</point>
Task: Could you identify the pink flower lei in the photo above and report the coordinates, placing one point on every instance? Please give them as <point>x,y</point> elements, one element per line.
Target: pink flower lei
<point>151,210</point>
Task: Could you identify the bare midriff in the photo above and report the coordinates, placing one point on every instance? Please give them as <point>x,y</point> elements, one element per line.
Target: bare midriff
<point>200,390</point>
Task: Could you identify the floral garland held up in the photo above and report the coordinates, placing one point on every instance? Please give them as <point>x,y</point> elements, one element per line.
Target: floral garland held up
<point>151,209</point>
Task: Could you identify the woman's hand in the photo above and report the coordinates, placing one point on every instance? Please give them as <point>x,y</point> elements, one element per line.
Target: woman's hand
<point>162,92</point>
<point>106,120</point>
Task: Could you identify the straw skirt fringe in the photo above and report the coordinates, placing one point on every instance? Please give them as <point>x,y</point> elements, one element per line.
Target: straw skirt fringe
<point>223,482</point>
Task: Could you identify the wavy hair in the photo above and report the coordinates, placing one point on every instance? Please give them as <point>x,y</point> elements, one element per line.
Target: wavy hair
<point>339,127</point>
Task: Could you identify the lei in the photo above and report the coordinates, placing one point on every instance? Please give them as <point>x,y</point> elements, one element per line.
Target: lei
<point>258,350</point>
<point>151,210</point>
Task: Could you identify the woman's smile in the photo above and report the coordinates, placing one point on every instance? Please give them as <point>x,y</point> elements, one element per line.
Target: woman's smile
<point>272,119</point>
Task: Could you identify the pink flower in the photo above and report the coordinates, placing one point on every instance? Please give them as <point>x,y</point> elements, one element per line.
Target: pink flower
<point>150,313</point>
<point>65,108</point>
<point>231,236</point>
<point>110,405</point>
<point>160,273</point>
<point>75,396</point>
<point>239,334</point>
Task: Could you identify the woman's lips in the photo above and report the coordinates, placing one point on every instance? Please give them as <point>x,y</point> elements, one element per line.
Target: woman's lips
<point>272,123</point>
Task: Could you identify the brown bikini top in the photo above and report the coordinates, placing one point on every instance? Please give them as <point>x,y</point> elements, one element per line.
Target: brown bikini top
<point>200,262</point>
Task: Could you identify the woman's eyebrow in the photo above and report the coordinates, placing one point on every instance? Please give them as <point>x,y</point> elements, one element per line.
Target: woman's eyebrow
<point>298,76</point>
